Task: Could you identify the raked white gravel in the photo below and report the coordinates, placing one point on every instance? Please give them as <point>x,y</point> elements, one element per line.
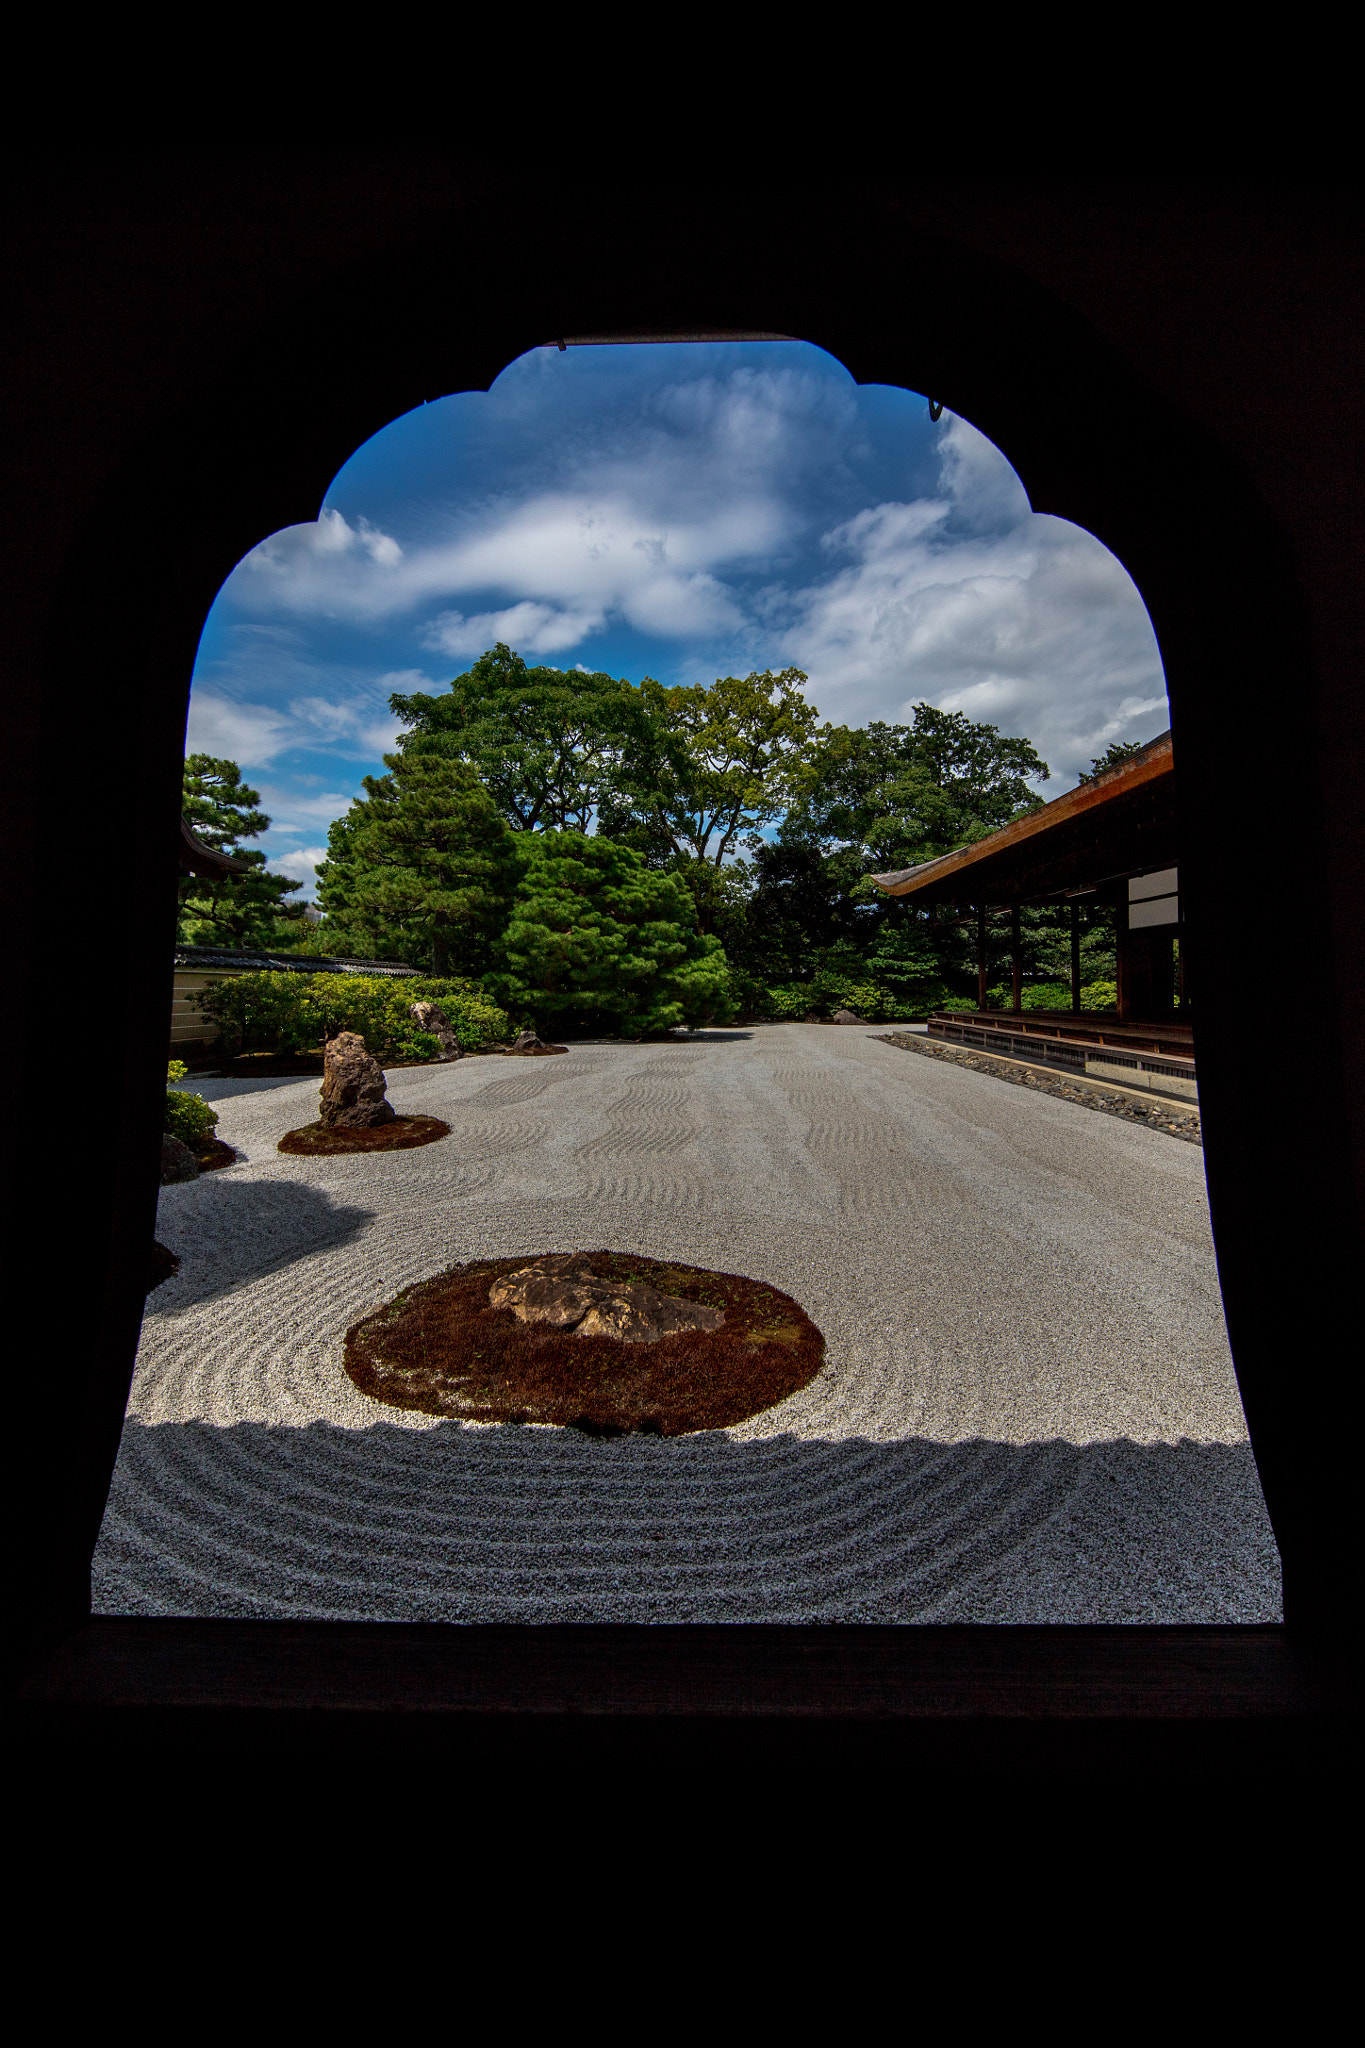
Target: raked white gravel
<point>1028,1410</point>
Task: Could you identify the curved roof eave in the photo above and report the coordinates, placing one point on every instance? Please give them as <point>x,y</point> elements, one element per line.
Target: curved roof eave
<point>1027,846</point>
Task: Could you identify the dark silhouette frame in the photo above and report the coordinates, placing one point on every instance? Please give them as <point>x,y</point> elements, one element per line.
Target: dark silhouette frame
<point>203,342</point>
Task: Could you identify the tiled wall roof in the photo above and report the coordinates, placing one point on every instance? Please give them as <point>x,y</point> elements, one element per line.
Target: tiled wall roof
<point>220,957</point>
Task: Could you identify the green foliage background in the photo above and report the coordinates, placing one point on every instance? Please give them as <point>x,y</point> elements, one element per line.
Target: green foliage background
<point>589,854</point>
<point>598,941</point>
<point>284,1012</point>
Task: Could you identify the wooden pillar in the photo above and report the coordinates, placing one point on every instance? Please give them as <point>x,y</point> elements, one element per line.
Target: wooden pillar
<point>1075,959</point>
<point>980,956</point>
<point>1122,968</point>
<point>1016,964</point>
<point>1146,976</point>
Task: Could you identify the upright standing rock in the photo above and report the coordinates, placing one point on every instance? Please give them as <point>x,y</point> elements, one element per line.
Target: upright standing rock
<point>177,1160</point>
<point>431,1017</point>
<point>352,1086</point>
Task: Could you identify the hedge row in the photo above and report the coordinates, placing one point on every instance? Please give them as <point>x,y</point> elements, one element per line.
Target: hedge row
<point>795,1001</point>
<point>299,1012</point>
<point>1054,995</point>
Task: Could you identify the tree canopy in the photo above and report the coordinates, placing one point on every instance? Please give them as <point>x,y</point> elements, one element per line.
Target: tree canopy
<point>597,938</point>
<point>545,742</point>
<point>422,867</point>
<point>718,764</point>
<point>623,857</point>
<point>240,910</point>
<point>1116,751</point>
<point>869,800</point>
<point>906,793</point>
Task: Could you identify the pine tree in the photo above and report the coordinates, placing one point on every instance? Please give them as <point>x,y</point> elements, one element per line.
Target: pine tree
<point>242,910</point>
<point>421,868</point>
<point>596,939</point>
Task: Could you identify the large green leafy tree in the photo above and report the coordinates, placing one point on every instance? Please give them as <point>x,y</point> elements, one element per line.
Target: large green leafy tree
<point>598,940</point>
<point>869,800</point>
<point>242,910</point>
<point>421,868</point>
<point>904,794</point>
<point>1116,751</point>
<point>716,766</point>
<point>545,742</point>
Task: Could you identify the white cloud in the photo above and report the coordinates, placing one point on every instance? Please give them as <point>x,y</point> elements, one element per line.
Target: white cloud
<point>356,726</point>
<point>295,813</point>
<point>301,865</point>
<point>329,538</point>
<point>1031,625</point>
<point>360,726</point>
<point>691,515</point>
<point>251,734</point>
<point>530,628</point>
<point>571,558</point>
<point>296,817</point>
<point>984,490</point>
<point>331,720</point>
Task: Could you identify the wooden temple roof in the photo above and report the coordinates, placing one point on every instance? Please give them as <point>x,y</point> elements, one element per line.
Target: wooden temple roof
<point>197,858</point>
<point>1121,823</point>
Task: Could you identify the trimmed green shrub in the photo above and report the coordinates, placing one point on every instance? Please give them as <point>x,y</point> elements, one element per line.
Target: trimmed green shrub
<point>958,1003</point>
<point>912,1002</point>
<point>1046,995</point>
<point>787,1002</point>
<point>259,1012</point>
<point>281,1012</point>
<point>188,1117</point>
<point>842,992</point>
<point>1100,995</point>
<point>474,1017</point>
<point>1035,995</point>
<point>793,1001</point>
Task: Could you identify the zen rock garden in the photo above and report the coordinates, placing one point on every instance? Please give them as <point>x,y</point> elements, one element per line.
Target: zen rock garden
<point>354,1112</point>
<point>605,1342</point>
<point>564,1291</point>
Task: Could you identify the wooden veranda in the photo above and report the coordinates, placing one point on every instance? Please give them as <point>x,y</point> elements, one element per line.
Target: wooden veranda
<point>1111,840</point>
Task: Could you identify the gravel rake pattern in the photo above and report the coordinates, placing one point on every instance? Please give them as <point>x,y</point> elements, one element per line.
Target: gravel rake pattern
<point>1027,1410</point>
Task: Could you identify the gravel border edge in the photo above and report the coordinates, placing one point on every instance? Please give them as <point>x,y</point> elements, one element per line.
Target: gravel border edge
<point>1176,1122</point>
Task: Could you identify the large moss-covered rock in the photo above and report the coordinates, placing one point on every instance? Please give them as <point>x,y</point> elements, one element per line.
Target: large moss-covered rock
<point>353,1089</point>
<point>562,1290</point>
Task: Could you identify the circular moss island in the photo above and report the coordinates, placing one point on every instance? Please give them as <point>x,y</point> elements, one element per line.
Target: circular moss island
<point>400,1134</point>
<point>604,1342</point>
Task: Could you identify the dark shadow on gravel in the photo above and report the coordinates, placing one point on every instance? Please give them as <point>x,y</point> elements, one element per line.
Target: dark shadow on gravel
<point>226,1232</point>
<point>223,1087</point>
<point>710,1038</point>
<point>544,1525</point>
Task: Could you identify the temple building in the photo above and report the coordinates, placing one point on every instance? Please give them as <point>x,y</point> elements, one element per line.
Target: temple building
<point>1112,840</point>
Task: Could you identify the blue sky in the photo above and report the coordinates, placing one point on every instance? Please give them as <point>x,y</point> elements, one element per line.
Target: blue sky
<point>682,511</point>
